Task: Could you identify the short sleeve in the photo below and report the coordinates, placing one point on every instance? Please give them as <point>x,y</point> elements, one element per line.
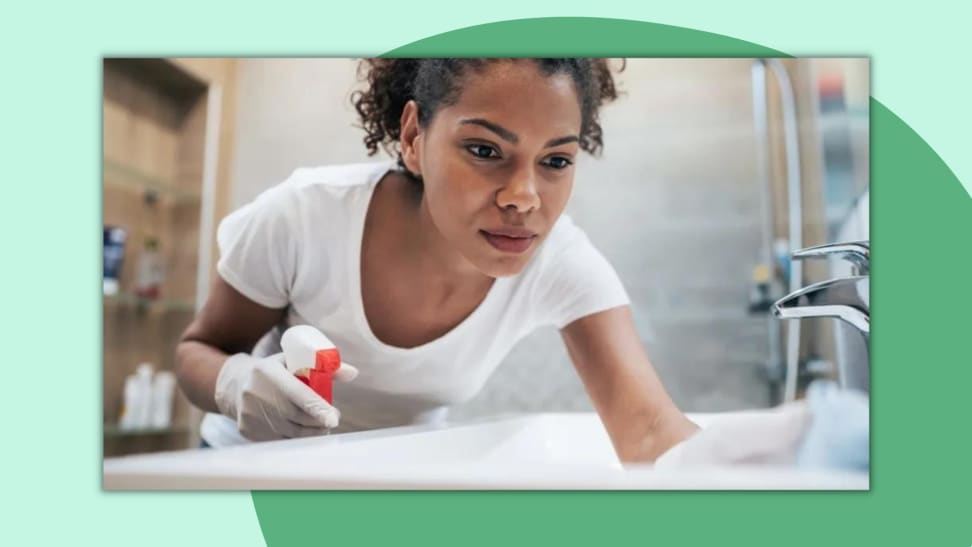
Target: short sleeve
<point>258,248</point>
<point>579,282</point>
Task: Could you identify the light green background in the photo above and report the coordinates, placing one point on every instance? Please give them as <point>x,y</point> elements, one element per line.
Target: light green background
<point>51,198</point>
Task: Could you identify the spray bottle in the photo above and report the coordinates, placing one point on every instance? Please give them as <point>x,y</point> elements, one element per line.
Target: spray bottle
<point>312,358</point>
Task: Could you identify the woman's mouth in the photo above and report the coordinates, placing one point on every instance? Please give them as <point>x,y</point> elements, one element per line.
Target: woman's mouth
<point>509,240</point>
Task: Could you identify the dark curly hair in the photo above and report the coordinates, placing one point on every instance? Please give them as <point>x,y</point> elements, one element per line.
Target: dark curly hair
<point>433,83</point>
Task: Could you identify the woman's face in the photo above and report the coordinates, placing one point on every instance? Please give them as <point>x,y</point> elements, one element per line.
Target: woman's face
<point>498,165</point>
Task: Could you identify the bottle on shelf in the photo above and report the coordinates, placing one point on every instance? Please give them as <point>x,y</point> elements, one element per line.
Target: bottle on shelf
<point>163,389</point>
<point>113,251</point>
<point>137,406</point>
<point>149,270</point>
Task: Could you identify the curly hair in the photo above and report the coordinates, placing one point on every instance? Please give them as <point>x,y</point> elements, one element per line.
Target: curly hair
<point>434,83</point>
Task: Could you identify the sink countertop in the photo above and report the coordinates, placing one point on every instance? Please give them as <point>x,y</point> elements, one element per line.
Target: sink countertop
<point>555,451</point>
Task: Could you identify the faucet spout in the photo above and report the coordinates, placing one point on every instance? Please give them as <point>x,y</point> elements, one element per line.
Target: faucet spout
<point>857,253</point>
<point>845,298</point>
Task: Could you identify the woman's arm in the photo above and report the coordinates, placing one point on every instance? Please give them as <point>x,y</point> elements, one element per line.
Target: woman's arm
<point>641,419</point>
<point>228,323</point>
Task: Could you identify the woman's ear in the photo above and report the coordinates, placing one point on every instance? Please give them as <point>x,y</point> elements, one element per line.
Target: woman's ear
<point>411,138</point>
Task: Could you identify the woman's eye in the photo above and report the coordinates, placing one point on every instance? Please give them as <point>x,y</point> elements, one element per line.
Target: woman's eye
<point>558,162</point>
<point>483,151</point>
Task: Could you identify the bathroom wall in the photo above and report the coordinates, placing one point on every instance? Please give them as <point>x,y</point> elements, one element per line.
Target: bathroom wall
<point>673,203</point>
<point>292,113</point>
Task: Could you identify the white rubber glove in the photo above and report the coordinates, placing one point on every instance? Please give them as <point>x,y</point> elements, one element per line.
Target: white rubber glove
<point>769,437</point>
<point>268,402</point>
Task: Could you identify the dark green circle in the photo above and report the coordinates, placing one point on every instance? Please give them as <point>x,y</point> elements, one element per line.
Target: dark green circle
<point>921,487</point>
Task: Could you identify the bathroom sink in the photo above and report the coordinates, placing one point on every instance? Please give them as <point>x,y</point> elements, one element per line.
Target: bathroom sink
<point>528,451</point>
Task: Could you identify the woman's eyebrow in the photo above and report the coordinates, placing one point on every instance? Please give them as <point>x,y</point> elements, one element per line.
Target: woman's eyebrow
<point>503,132</point>
<point>561,140</point>
<point>510,136</point>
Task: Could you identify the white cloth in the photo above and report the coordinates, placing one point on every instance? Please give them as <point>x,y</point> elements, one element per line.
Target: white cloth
<point>827,430</point>
<point>298,245</point>
<point>751,437</point>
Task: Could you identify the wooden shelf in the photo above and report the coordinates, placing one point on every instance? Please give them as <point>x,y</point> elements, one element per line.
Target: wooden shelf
<point>154,134</point>
<point>112,431</point>
<point>160,74</point>
<point>125,177</point>
<point>157,305</point>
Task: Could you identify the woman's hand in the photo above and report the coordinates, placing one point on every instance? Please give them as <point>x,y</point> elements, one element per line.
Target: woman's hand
<point>268,402</point>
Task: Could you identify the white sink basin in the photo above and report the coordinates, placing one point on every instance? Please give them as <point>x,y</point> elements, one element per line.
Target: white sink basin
<point>532,451</point>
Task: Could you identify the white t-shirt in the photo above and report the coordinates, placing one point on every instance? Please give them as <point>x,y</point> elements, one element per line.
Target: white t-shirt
<point>298,245</point>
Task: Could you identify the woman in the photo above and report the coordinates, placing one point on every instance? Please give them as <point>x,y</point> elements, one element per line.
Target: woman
<point>426,271</point>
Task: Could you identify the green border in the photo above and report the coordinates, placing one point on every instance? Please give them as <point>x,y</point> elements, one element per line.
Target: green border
<point>920,494</point>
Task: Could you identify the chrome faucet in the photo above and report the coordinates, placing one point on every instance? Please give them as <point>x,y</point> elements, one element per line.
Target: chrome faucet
<point>858,253</point>
<point>846,298</point>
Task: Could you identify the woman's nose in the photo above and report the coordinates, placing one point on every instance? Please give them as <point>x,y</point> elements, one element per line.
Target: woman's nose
<point>519,193</point>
